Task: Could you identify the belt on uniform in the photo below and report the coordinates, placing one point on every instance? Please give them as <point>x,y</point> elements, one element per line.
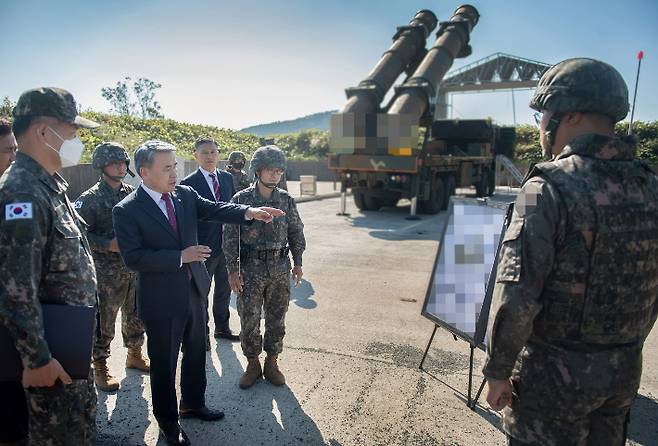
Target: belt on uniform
<point>265,254</point>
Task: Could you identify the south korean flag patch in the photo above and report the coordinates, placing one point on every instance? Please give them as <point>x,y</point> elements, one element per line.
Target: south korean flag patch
<point>18,211</point>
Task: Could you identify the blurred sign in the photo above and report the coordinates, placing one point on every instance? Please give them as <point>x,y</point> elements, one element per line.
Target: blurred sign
<point>460,289</point>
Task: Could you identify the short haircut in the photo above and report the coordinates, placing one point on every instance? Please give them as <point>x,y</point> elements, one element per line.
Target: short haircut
<point>22,123</point>
<point>5,127</point>
<point>146,152</point>
<point>204,140</point>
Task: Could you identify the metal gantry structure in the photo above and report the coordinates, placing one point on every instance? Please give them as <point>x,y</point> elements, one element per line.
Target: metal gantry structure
<point>498,71</point>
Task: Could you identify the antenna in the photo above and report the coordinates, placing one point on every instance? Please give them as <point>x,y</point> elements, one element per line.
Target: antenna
<point>640,55</point>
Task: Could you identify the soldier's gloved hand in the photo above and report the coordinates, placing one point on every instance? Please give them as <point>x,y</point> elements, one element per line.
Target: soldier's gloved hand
<point>297,273</point>
<point>499,393</point>
<point>235,282</point>
<point>113,246</point>
<point>45,376</point>
<point>265,214</point>
<point>196,253</point>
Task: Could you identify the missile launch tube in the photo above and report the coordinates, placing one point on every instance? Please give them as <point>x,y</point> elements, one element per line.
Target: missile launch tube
<point>408,45</point>
<point>413,97</point>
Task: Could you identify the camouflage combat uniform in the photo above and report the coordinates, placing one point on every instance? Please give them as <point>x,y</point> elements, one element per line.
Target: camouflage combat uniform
<point>240,180</point>
<point>44,256</point>
<point>576,294</point>
<point>116,283</point>
<point>265,268</point>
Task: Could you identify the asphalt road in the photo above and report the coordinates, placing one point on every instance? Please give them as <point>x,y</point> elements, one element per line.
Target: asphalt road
<point>355,338</point>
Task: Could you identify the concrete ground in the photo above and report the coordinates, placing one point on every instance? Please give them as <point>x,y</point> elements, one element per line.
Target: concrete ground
<point>355,338</point>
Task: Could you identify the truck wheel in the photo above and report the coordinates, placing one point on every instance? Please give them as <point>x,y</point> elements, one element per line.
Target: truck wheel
<point>492,182</point>
<point>372,203</point>
<point>482,186</point>
<point>437,198</point>
<point>358,201</point>
<point>451,188</point>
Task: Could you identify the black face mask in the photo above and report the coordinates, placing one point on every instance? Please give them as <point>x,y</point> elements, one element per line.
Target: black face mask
<point>237,166</point>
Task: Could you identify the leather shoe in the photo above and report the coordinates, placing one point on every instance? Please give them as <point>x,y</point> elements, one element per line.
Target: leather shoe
<point>227,335</point>
<point>173,433</point>
<point>203,413</point>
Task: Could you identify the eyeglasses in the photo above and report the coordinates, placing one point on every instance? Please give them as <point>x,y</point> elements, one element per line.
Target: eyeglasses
<point>9,150</point>
<point>537,116</point>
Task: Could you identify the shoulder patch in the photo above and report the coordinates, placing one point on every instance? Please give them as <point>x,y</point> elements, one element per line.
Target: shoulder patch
<point>78,204</point>
<point>17,211</point>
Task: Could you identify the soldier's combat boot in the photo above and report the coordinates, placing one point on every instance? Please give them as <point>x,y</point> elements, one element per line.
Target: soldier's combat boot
<point>102,377</point>
<point>252,374</point>
<point>135,360</point>
<point>271,371</point>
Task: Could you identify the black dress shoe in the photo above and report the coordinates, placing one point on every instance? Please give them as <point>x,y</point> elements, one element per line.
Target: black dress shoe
<point>203,413</point>
<point>227,335</point>
<point>173,433</point>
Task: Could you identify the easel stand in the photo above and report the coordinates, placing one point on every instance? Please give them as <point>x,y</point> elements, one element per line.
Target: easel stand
<point>471,402</point>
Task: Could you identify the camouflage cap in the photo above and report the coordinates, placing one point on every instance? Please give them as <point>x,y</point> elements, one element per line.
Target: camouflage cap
<point>54,102</point>
<point>109,152</point>
<point>236,155</point>
<point>584,85</point>
<point>268,156</point>
<point>145,151</point>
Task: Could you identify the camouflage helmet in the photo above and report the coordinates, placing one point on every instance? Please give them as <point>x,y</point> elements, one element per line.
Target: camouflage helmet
<point>235,156</point>
<point>107,153</point>
<point>268,157</point>
<point>582,85</point>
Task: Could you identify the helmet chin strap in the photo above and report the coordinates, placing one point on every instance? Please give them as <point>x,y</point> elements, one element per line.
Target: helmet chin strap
<point>267,185</point>
<point>551,132</point>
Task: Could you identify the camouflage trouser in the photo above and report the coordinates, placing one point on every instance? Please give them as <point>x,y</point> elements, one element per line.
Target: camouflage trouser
<point>558,402</point>
<point>116,290</point>
<point>62,415</point>
<point>271,293</point>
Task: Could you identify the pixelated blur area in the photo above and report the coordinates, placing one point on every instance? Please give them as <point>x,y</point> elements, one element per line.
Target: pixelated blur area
<point>467,255</point>
<point>373,134</point>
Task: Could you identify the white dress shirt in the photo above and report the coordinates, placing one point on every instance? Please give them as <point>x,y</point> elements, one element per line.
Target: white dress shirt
<point>211,186</point>
<point>157,197</point>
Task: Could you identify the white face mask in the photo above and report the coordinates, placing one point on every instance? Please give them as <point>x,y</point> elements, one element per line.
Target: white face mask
<point>70,151</point>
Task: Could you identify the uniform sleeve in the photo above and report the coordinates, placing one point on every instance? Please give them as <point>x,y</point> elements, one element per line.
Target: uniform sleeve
<point>524,262</point>
<point>230,243</point>
<point>22,243</point>
<point>296,240</point>
<point>87,208</point>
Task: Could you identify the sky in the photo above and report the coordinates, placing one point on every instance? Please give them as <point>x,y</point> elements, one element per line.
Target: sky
<point>239,63</point>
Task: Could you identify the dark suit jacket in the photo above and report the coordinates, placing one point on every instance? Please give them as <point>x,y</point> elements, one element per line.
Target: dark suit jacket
<point>149,246</point>
<point>210,233</point>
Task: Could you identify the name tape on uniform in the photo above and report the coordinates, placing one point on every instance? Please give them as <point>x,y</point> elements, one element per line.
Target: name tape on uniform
<point>17,211</point>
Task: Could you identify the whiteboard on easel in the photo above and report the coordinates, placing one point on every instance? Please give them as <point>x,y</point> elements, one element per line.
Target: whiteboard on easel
<point>459,293</point>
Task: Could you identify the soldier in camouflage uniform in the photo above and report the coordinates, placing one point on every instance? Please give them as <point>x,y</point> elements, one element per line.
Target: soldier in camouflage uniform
<point>576,289</point>
<point>259,266</point>
<point>116,283</point>
<point>235,166</point>
<point>45,257</point>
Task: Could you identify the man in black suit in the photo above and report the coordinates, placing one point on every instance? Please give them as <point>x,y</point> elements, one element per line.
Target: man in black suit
<point>214,185</point>
<point>156,228</point>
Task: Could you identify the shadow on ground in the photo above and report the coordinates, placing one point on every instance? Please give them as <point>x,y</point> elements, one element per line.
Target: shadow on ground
<point>130,414</point>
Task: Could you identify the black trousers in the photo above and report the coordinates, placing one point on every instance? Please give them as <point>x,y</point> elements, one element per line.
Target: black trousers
<point>13,412</point>
<point>216,266</point>
<point>165,338</point>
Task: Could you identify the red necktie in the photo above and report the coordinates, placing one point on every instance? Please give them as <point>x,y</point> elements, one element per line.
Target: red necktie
<point>171,215</point>
<point>215,186</point>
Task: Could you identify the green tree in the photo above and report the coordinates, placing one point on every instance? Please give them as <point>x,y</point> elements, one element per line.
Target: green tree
<point>6,107</point>
<point>134,98</point>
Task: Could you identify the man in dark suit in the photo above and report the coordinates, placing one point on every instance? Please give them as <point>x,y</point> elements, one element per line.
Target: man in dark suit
<point>156,228</point>
<point>214,185</point>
